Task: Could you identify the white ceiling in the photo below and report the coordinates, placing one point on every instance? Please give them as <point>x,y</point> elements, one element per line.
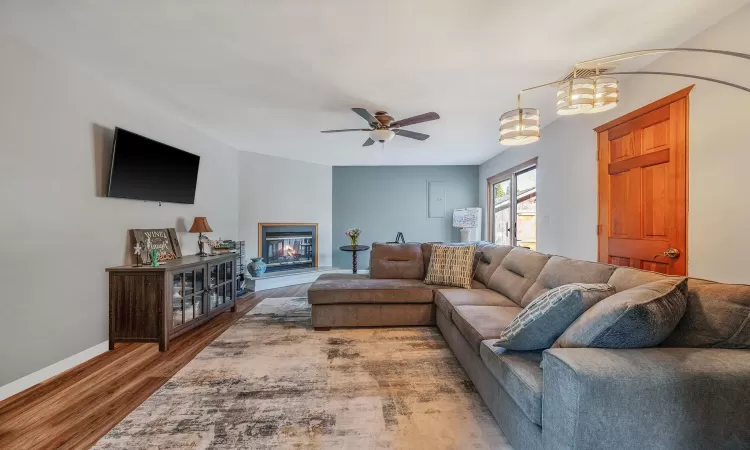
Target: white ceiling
<point>266,76</point>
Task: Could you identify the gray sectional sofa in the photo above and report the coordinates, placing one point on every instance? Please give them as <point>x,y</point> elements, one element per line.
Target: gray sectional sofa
<point>692,392</point>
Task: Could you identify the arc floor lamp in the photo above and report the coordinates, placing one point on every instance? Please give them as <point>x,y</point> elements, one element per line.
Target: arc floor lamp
<point>591,93</point>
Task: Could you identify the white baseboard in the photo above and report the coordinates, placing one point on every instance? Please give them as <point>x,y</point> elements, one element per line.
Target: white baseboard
<point>50,371</point>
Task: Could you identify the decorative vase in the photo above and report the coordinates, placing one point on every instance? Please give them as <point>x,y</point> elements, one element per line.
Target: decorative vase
<point>256,267</point>
<point>354,240</point>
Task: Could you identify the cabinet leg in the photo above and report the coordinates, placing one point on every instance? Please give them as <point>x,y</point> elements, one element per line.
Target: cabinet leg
<point>111,344</point>
<point>163,344</point>
<point>322,328</point>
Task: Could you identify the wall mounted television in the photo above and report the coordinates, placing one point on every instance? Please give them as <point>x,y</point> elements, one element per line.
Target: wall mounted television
<point>143,169</point>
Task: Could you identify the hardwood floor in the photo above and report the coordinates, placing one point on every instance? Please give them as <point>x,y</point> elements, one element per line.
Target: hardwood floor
<point>74,409</point>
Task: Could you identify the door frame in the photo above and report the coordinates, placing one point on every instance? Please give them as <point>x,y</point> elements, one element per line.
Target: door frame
<point>534,162</point>
<point>602,199</point>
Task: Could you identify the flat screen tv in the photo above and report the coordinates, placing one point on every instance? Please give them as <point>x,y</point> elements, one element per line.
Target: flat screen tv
<point>143,169</point>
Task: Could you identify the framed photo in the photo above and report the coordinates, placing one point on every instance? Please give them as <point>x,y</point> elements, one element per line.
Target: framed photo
<point>164,240</point>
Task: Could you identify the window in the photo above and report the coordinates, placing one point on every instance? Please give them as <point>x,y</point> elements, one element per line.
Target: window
<point>512,217</point>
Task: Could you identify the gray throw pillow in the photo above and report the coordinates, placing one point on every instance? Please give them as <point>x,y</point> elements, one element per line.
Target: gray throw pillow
<point>639,317</point>
<point>549,315</point>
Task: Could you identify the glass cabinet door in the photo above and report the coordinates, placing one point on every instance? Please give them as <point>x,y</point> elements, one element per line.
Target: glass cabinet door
<point>213,276</point>
<point>188,309</point>
<point>218,288</point>
<point>213,298</point>
<point>198,304</point>
<point>177,298</point>
<point>229,271</point>
<point>200,295</point>
<point>188,280</point>
<point>191,295</point>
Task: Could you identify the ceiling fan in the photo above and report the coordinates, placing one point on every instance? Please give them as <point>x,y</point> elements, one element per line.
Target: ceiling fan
<point>383,128</point>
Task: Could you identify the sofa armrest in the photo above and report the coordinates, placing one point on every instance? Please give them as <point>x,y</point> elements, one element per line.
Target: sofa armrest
<point>661,398</point>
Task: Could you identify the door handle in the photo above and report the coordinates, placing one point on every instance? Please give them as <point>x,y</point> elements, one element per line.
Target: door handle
<point>670,253</point>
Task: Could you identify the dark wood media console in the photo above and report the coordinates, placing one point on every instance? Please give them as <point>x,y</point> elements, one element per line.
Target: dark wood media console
<point>157,304</point>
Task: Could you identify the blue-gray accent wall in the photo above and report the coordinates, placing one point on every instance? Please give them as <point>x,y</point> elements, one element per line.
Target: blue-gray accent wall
<point>383,200</point>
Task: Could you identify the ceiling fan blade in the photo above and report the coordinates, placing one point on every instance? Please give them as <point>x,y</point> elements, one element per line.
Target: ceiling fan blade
<point>366,115</point>
<point>412,134</point>
<point>348,129</point>
<point>426,117</point>
<point>368,143</point>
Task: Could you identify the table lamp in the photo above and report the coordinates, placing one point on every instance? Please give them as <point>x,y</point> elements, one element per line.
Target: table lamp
<point>467,219</point>
<point>200,226</point>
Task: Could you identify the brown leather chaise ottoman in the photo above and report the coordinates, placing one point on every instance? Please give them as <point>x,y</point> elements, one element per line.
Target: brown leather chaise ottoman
<point>392,295</point>
<point>348,300</point>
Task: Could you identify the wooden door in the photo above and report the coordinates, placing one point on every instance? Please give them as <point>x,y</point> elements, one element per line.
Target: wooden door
<point>642,159</point>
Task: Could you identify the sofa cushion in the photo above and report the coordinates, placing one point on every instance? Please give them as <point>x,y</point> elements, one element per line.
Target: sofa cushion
<point>639,317</point>
<point>427,253</point>
<point>519,374</point>
<point>477,323</point>
<point>350,288</point>
<point>475,285</point>
<point>717,315</point>
<point>489,257</point>
<point>396,261</point>
<point>451,265</point>
<point>447,299</point>
<point>560,271</point>
<point>516,273</point>
<point>546,318</point>
<point>624,278</point>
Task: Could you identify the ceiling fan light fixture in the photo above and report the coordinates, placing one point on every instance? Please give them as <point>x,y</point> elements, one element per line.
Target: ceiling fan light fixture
<point>575,96</point>
<point>606,94</point>
<point>381,135</point>
<point>519,127</point>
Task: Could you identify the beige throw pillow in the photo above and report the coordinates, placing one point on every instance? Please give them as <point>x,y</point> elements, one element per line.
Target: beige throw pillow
<point>451,265</point>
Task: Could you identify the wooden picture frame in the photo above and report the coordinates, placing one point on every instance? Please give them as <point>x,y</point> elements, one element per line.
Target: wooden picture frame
<point>164,239</point>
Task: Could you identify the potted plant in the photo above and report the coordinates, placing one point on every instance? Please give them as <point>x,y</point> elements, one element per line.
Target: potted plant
<point>354,235</point>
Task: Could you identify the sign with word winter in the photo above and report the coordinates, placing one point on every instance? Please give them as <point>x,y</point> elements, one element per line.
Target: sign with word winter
<point>164,240</point>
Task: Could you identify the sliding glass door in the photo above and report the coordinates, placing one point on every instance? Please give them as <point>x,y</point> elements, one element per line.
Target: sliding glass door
<point>512,202</point>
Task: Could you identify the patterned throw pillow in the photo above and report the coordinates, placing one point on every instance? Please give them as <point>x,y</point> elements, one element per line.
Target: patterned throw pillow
<point>549,315</point>
<point>638,317</point>
<point>451,265</point>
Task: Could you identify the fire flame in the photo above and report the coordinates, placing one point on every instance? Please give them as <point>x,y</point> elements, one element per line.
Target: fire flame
<point>289,250</point>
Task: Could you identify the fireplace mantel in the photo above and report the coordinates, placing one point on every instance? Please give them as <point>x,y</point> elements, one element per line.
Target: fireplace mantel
<point>307,230</point>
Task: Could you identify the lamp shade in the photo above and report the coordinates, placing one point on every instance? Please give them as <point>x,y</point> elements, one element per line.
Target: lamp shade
<point>519,127</point>
<point>575,96</point>
<point>200,225</point>
<point>606,94</point>
<point>466,217</point>
<point>381,135</point>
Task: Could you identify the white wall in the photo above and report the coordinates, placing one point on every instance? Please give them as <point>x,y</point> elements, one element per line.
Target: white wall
<point>719,155</point>
<point>273,189</point>
<point>58,231</point>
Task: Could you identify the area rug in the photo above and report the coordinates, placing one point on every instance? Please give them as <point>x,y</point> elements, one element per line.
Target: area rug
<point>270,381</point>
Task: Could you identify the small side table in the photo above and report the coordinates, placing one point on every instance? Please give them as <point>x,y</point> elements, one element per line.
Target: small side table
<point>354,249</point>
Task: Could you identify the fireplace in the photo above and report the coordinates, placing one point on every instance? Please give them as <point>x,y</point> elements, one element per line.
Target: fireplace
<point>288,246</point>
